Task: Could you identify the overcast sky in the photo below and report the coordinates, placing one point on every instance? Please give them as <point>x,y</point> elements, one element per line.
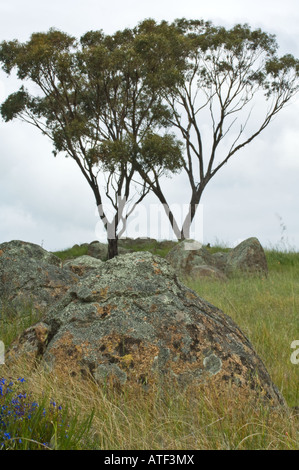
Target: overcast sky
<point>45,200</point>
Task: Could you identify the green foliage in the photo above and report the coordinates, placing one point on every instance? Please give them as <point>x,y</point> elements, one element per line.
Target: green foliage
<point>90,95</point>
<point>14,105</point>
<point>161,150</point>
<point>73,252</point>
<point>238,56</point>
<point>279,260</point>
<point>15,319</point>
<point>225,71</point>
<point>99,101</point>
<point>113,153</point>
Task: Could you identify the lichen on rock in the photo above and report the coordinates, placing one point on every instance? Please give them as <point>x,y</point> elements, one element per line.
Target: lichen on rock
<point>29,274</point>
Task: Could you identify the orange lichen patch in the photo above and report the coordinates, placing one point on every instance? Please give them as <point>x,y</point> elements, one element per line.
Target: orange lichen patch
<point>132,355</point>
<point>174,335</point>
<point>179,362</point>
<point>153,308</point>
<point>104,310</point>
<point>41,331</point>
<point>156,269</point>
<point>127,361</point>
<point>1,252</point>
<point>103,293</point>
<point>190,295</point>
<point>67,354</point>
<point>180,367</point>
<point>143,359</point>
<point>79,270</point>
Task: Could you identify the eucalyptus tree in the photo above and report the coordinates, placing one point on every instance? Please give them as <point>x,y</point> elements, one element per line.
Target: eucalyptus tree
<point>97,100</point>
<point>229,74</point>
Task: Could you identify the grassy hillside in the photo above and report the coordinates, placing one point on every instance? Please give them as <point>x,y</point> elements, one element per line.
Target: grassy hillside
<point>266,309</point>
<point>154,246</point>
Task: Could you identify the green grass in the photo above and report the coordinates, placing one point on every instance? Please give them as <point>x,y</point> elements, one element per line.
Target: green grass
<point>278,260</point>
<point>14,320</point>
<point>157,248</point>
<point>267,311</point>
<point>73,252</point>
<point>154,246</point>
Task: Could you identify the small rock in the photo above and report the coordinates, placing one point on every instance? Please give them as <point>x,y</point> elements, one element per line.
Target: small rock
<point>248,256</point>
<point>83,264</point>
<point>98,250</point>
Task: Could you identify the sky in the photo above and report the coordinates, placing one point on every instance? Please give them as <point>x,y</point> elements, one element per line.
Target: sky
<point>45,200</point>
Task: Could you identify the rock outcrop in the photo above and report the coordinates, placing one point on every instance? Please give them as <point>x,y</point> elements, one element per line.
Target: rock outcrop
<point>131,320</point>
<point>190,259</point>
<point>30,274</point>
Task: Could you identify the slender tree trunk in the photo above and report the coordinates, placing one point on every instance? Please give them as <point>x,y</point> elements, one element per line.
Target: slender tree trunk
<point>111,228</point>
<point>195,199</point>
<point>112,247</point>
<point>112,237</point>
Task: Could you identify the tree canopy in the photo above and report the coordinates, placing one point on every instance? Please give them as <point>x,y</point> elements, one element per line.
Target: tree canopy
<point>228,75</point>
<point>98,102</point>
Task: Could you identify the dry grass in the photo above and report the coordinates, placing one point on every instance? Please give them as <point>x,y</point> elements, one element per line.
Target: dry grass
<point>165,418</point>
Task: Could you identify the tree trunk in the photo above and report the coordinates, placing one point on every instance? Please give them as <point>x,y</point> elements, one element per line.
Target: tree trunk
<point>195,199</point>
<point>112,247</point>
